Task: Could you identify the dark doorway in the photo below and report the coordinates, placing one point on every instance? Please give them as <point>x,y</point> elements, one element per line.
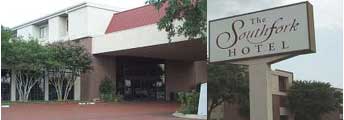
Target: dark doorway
<point>140,79</point>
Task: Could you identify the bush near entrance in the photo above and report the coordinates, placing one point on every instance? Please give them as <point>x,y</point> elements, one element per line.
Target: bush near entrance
<point>309,100</point>
<point>106,89</point>
<point>189,102</point>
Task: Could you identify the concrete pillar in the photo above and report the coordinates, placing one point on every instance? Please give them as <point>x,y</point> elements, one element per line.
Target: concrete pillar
<point>179,77</point>
<point>260,85</point>
<point>13,86</point>
<point>201,71</point>
<point>260,92</point>
<point>77,89</point>
<point>46,89</point>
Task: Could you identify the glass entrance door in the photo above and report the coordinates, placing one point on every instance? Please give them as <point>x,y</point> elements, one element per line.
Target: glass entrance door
<point>141,79</point>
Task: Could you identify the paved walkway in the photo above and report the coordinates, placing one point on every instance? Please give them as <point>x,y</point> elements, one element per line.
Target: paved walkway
<point>98,111</point>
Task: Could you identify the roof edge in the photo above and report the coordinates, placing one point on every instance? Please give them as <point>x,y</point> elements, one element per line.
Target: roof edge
<point>66,10</point>
<point>128,10</point>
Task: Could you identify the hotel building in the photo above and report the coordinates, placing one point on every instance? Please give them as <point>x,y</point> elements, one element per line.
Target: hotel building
<point>125,45</point>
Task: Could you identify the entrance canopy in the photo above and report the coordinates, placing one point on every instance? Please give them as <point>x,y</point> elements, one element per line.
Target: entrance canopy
<point>192,50</point>
<point>148,41</point>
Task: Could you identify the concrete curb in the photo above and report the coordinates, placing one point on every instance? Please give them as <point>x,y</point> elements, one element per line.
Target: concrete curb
<point>86,103</point>
<point>5,106</point>
<point>189,116</point>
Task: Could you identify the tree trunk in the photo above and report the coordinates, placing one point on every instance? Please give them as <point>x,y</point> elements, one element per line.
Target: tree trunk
<point>25,81</point>
<point>63,83</point>
<point>211,108</point>
<point>209,114</point>
<point>70,84</point>
<point>66,94</point>
<point>56,79</point>
<point>59,94</point>
<point>26,96</point>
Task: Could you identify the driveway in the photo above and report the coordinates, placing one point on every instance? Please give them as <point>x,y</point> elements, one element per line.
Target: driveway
<point>98,111</point>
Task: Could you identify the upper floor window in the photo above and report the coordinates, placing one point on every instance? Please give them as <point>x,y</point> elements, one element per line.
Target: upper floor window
<point>67,27</point>
<point>282,83</point>
<point>43,32</point>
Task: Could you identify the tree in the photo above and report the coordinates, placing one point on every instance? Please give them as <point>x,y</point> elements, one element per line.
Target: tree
<point>25,58</point>
<point>339,97</point>
<point>30,61</point>
<point>308,100</point>
<point>192,13</point>
<point>66,61</point>
<point>6,35</point>
<point>227,83</point>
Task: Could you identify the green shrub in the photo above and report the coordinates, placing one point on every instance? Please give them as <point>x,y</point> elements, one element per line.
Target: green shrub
<point>107,97</point>
<point>106,89</point>
<point>111,97</point>
<point>106,86</point>
<point>189,102</point>
<point>117,98</point>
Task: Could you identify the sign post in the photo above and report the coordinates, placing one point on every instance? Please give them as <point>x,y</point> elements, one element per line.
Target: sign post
<point>258,40</point>
<point>260,85</point>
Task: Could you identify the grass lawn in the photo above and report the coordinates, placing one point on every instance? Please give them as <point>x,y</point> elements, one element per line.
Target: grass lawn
<point>5,102</point>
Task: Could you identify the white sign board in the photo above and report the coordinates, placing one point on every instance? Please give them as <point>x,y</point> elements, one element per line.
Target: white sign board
<point>281,30</point>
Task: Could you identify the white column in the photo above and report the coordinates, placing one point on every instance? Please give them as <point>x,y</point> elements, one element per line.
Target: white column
<point>260,92</point>
<point>46,90</point>
<point>13,86</point>
<point>77,89</point>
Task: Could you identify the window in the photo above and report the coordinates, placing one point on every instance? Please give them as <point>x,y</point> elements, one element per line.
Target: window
<point>64,27</point>
<point>283,101</point>
<point>43,32</point>
<point>282,83</point>
<point>67,27</point>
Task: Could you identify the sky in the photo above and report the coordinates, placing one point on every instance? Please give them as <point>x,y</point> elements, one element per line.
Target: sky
<point>326,64</point>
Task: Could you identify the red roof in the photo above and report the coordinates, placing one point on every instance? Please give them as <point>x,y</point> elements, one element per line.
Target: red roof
<point>136,17</point>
